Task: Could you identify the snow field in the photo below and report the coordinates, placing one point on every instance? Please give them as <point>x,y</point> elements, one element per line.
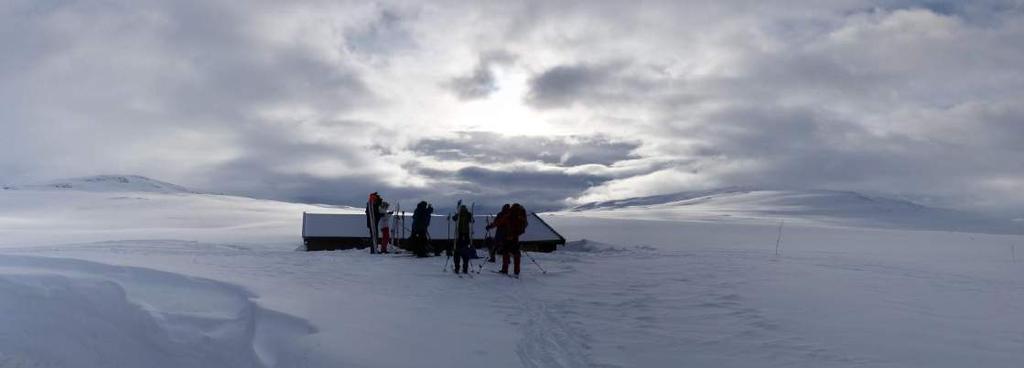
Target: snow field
<point>228,288</point>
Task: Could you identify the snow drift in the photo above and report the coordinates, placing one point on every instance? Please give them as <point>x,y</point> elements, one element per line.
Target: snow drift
<point>64,313</point>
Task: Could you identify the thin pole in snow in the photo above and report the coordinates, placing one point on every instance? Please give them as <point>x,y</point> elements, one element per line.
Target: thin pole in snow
<point>542,270</point>
<point>778,240</point>
<point>1013,251</point>
<point>449,256</point>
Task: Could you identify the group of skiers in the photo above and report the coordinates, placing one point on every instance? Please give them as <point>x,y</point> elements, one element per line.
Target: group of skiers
<point>509,225</point>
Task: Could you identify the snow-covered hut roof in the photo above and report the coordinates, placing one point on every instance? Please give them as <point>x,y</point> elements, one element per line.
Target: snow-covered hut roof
<point>334,225</point>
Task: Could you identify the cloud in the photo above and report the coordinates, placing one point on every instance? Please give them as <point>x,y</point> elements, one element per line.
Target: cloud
<point>322,101</point>
<point>879,100</point>
<point>482,81</point>
<point>384,34</point>
<point>486,147</point>
<point>537,189</point>
<point>563,84</point>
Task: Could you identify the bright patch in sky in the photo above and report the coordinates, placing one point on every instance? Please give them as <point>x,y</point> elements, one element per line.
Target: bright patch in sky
<point>504,111</point>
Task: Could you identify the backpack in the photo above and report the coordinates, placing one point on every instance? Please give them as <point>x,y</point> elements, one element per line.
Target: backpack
<point>421,217</point>
<point>465,220</point>
<point>518,223</point>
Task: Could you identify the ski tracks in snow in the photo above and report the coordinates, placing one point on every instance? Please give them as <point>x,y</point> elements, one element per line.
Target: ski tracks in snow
<point>549,341</point>
<point>648,307</point>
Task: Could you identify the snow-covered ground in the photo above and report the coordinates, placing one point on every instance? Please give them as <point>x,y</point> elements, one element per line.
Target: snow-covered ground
<point>104,278</point>
<point>810,207</point>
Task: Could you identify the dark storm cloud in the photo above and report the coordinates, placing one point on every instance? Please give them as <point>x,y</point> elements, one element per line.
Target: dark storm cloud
<point>485,147</point>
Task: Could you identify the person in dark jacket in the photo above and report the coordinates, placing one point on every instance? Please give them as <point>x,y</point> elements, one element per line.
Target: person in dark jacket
<point>373,213</point>
<point>463,244</point>
<point>418,239</point>
<point>515,224</point>
<point>499,233</point>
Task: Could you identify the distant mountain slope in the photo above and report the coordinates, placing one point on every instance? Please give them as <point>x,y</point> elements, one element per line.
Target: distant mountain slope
<point>92,211</point>
<point>842,208</point>
<point>107,183</point>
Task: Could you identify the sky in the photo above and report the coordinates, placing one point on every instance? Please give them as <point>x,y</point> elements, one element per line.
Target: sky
<point>548,103</point>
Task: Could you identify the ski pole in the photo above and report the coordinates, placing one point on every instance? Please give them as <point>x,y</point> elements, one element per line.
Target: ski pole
<point>445,267</point>
<point>449,256</point>
<point>470,223</point>
<point>535,262</point>
<point>371,207</point>
<point>451,251</point>
<point>489,244</point>
<point>455,235</point>
<point>430,242</point>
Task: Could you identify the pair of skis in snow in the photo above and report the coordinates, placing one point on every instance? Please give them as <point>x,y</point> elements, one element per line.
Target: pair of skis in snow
<point>397,223</point>
<point>372,206</point>
<point>373,211</point>
<point>451,251</point>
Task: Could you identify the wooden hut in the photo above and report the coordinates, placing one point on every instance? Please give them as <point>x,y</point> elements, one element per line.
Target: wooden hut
<point>331,231</point>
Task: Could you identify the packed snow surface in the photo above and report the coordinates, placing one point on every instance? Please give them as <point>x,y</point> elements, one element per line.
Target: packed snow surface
<point>101,278</point>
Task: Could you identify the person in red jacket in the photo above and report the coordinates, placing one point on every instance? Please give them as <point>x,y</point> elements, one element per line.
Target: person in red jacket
<point>511,225</point>
<point>385,227</point>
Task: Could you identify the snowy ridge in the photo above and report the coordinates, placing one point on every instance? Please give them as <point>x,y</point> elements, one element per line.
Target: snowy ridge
<point>106,183</point>
<point>823,207</point>
<point>658,199</point>
<point>793,200</point>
